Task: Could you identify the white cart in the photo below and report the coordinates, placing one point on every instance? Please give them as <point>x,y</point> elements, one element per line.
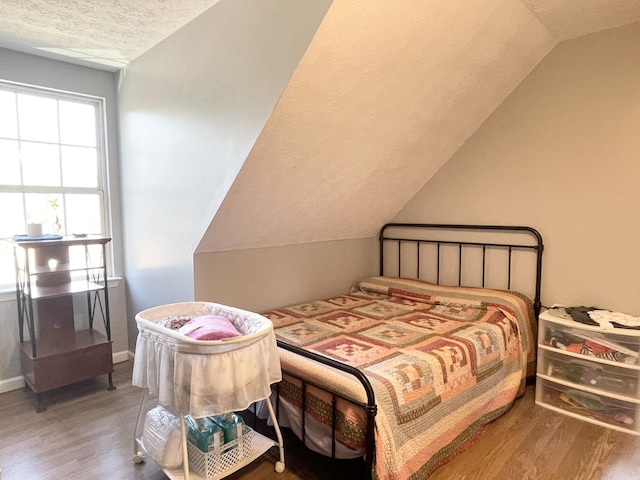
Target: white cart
<point>204,378</point>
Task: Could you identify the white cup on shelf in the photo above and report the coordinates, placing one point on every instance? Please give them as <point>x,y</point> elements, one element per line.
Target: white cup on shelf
<point>34,229</point>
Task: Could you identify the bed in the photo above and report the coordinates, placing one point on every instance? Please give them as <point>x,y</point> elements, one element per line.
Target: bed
<point>407,368</point>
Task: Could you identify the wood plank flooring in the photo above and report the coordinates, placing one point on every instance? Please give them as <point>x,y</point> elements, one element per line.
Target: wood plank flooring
<point>87,432</point>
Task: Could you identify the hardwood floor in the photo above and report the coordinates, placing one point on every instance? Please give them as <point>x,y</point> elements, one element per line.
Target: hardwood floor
<point>88,433</point>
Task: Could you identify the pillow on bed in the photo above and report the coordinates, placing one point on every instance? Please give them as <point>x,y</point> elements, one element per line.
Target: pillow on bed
<point>209,327</point>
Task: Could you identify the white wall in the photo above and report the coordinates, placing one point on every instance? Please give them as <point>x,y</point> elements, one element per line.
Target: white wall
<point>190,111</point>
<point>38,71</point>
<point>560,154</point>
<point>264,278</point>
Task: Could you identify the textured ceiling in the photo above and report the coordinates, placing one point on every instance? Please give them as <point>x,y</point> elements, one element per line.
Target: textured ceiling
<point>108,34</point>
<point>105,34</point>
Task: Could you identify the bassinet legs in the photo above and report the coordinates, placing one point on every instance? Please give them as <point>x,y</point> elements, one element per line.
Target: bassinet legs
<point>279,466</point>
<point>138,452</point>
<point>260,444</point>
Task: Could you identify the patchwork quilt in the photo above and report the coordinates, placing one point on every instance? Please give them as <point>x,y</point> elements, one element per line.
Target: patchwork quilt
<point>443,362</point>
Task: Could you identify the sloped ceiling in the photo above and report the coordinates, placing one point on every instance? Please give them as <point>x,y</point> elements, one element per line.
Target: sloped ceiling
<point>111,34</point>
<point>385,94</point>
<point>567,19</point>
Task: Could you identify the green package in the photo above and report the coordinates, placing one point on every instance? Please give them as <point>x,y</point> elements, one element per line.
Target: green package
<point>204,433</point>
<point>231,424</point>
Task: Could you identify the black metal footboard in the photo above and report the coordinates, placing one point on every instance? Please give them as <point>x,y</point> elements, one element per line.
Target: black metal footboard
<point>370,407</point>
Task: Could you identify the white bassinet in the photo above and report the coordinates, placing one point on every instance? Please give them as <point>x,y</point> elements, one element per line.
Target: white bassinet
<point>205,378</point>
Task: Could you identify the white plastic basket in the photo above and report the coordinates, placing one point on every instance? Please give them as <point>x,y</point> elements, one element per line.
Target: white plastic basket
<point>213,464</point>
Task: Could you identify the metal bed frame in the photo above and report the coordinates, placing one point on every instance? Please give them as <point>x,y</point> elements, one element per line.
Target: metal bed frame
<point>528,240</point>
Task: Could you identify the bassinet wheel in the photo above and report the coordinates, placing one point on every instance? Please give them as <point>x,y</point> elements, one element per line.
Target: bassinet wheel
<point>279,467</point>
<point>138,457</point>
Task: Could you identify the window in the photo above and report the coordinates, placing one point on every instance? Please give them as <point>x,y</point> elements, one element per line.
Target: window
<point>52,159</point>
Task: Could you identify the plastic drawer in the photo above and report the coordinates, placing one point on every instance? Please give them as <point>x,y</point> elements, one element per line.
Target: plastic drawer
<point>603,377</point>
<point>593,408</point>
<point>590,342</point>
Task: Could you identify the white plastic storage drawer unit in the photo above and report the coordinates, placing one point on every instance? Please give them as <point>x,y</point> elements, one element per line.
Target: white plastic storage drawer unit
<point>589,373</point>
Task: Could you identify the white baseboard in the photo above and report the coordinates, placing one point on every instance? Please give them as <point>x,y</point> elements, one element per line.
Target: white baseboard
<point>119,357</point>
<point>16,383</point>
<point>10,384</point>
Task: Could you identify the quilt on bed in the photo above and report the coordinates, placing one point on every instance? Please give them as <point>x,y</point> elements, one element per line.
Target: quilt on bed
<point>443,362</point>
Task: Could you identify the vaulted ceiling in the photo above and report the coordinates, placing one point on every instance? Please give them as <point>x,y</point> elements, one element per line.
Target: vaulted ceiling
<point>384,95</point>
<point>111,34</point>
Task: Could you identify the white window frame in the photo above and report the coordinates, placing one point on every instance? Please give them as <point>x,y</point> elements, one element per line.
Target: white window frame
<point>102,188</point>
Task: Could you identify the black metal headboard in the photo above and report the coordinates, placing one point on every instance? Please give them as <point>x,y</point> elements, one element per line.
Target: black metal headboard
<point>464,255</point>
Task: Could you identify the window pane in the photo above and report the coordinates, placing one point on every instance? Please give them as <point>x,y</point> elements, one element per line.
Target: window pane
<point>84,213</point>
<point>38,118</point>
<point>47,209</point>
<point>12,215</point>
<point>8,116</point>
<point>9,162</point>
<point>77,124</point>
<point>79,167</point>
<point>51,154</point>
<point>40,164</point>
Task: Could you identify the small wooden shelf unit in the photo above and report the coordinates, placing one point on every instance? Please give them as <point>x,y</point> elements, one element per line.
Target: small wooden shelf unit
<point>57,349</point>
